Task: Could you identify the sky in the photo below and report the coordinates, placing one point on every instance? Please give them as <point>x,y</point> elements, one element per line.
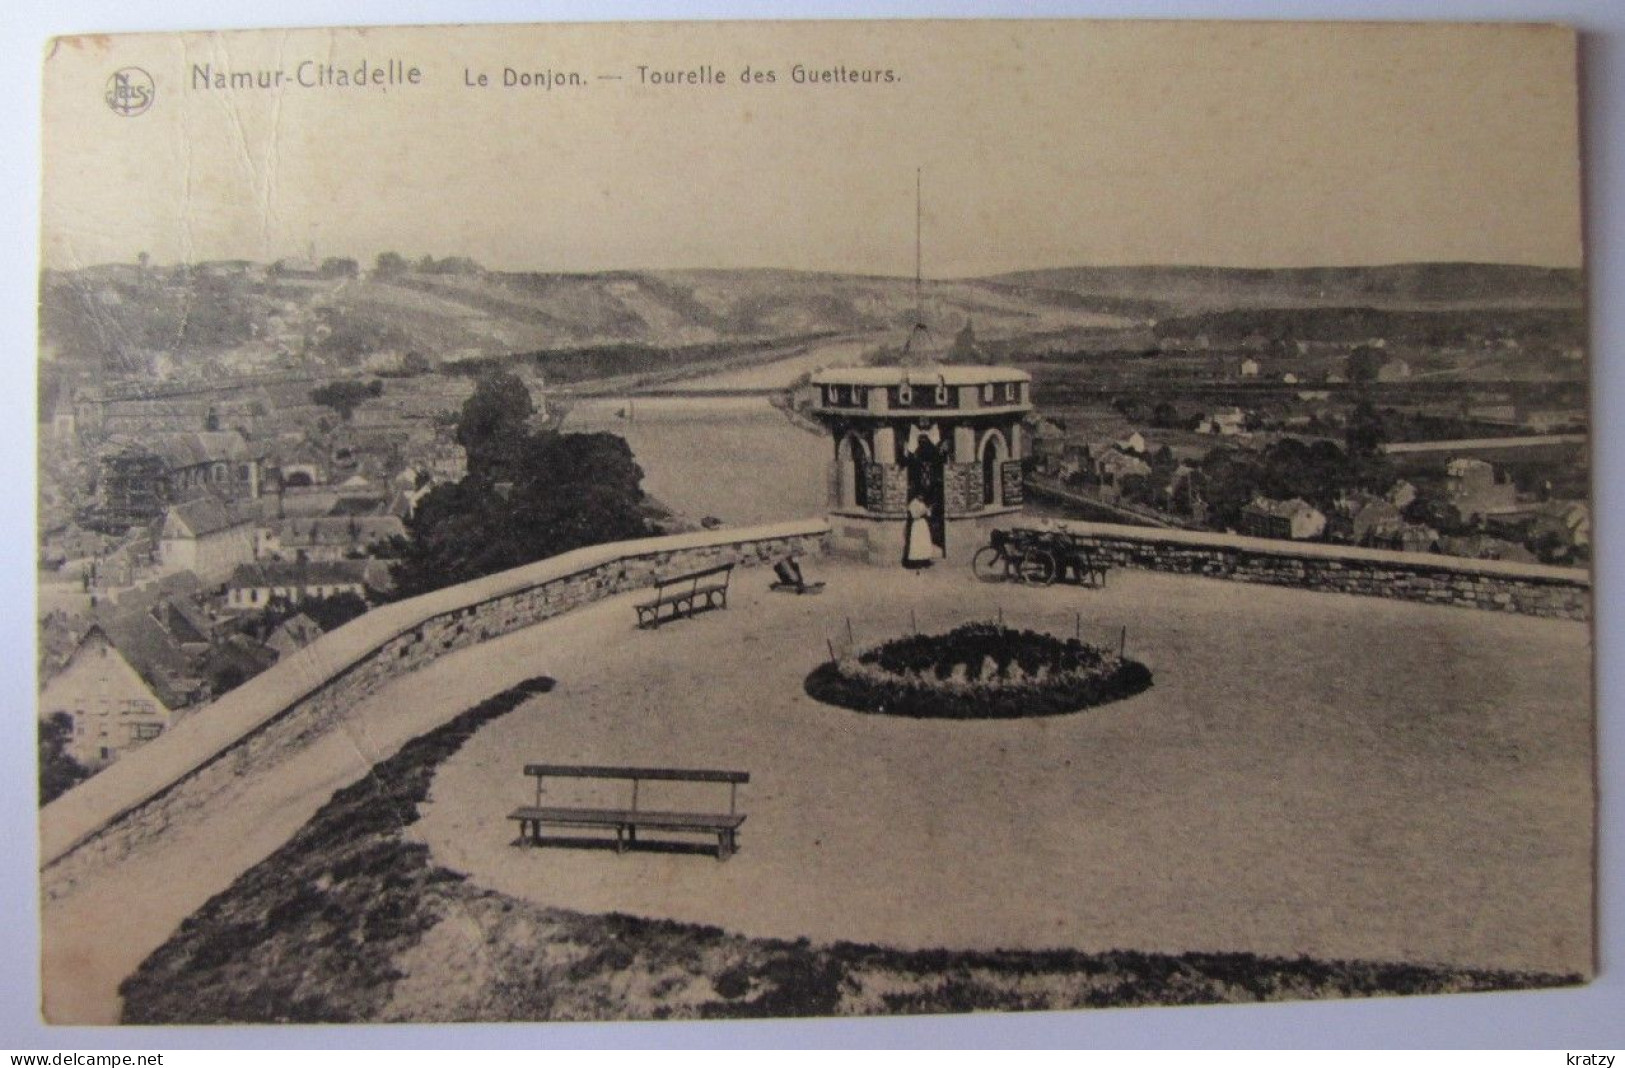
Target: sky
<point>1039,144</point>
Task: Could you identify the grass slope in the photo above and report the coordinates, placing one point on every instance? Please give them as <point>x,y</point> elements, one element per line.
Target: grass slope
<point>351,922</point>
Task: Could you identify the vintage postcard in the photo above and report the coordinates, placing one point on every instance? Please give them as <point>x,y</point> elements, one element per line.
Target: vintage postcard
<point>671,521</point>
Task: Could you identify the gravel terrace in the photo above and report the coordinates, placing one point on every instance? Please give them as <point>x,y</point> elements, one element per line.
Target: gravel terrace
<point>1310,773</point>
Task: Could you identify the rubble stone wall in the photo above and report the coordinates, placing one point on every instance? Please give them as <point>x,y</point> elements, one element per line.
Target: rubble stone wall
<point>1490,585</point>
<point>308,694</point>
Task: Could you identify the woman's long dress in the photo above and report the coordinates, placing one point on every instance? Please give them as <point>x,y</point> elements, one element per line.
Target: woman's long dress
<point>920,550</point>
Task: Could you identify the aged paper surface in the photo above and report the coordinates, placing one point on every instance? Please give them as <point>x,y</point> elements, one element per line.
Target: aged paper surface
<point>628,521</point>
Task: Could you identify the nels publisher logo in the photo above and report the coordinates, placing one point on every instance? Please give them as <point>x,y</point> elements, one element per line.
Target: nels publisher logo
<point>129,91</point>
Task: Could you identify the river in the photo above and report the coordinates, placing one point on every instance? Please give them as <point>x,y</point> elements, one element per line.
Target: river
<point>777,373</point>
<point>736,458</point>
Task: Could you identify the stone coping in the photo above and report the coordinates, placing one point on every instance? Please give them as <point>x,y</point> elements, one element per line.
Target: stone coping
<point>894,517</point>
<point>931,374</point>
<point>1197,539</point>
<point>202,736</point>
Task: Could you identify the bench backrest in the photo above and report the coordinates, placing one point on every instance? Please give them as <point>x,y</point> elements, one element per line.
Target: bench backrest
<point>587,771</point>
<point>695,576</point>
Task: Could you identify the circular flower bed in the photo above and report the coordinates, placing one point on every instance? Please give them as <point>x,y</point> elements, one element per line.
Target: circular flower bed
<point>978,671</point>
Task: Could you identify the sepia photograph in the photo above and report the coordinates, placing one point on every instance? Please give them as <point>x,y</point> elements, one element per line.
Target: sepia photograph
<point>756,520</point>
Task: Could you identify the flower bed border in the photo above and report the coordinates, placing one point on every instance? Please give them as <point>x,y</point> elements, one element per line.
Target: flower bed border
<point>931,696</point>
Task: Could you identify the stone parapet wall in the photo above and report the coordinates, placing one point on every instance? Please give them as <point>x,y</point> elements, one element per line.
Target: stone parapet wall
<point>303,695</point>
<point>1491,585</point>
<point>878,540</point>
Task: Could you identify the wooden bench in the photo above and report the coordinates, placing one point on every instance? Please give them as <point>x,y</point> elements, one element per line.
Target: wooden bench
<point>1072,554</point>
<point>626,822</point>
<point>678,596</point>
<point>1089,570</point>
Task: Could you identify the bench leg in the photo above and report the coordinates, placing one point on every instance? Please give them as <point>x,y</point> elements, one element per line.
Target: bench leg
<point>725,845</point>
<point>620,839</point>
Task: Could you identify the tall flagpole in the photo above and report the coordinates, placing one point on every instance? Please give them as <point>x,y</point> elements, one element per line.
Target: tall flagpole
<point>919,317</point>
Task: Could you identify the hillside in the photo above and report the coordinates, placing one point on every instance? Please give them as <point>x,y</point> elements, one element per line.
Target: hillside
<point>1402,286</point>
<point>157,320</point>
<point>226,318</point>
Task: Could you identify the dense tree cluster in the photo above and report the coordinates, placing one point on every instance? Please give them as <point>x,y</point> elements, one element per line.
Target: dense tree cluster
<point>393,264</point>
<point>1317,472</point>
<point>328,613</point>
<point>389,264</point>
<point>527,495</point>
<point>346,396</point>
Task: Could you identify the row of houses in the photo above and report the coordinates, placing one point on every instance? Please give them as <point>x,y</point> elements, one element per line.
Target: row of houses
<point>1481,495</point>
<point>257,586</point>
<point>141,665</point>
<point>138,481</point>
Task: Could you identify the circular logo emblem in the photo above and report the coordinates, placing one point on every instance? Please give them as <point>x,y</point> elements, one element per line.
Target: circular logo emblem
<point>129,91</point>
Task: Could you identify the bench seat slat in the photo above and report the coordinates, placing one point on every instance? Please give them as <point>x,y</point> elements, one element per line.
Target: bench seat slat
<point>681,593</point>
<point>588,771</point>
<point>617,817</point>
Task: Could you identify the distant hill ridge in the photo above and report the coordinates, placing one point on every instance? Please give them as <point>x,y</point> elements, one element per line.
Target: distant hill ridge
<point>124,313</point>
<point>1400,285</point>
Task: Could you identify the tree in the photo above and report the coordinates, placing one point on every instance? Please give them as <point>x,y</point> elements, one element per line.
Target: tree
<point>526,496</point>
<point>1231,479</point>
<point>346,396</point>
<point>965,349</point>
<point>1136,487</point>
<point>1365,435</point>
<point>495,423</point>
<point>334,611</point>
<point>538,496</point>
<point>225,677</point>
<point>1436,512</point>
<point>59,772</point>
<point>340,267</point>
<point>389,264</point>
<point>1363,364</point>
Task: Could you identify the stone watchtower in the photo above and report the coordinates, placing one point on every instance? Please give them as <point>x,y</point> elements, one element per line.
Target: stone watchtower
<point>950,437</point>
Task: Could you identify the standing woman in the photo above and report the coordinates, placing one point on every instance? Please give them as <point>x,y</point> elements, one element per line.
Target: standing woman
<point>919,550</point>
